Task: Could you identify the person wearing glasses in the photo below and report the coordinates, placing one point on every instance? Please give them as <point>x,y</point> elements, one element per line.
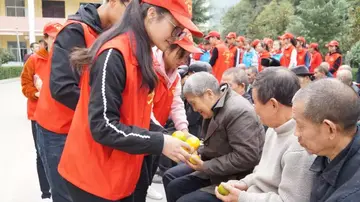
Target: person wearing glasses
<point>110,132</point>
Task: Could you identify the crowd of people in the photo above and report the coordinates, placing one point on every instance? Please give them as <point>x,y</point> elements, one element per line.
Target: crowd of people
<point>108,88</point>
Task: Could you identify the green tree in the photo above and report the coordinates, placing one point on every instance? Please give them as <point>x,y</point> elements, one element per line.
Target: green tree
<point>272,24</point>
<point>320,20</point>
<point>200,15</point>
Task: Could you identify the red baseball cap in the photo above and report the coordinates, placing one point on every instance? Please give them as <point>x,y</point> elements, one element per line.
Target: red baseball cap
<point>231,35</point>
<point>268,41</point>
<point>212,34</point>
<point>314,45</point>
<point>52,28</point>
<point>286,36</point>
<point>332,43</point>
<point>302,39</point>
<point>181,10</point>
<point>255,43</point>
<point>187,43</point>
<point>240,39</point>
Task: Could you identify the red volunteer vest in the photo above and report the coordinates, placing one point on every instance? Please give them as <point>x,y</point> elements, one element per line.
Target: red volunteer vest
<point>286,58</point>
<point>40,65</point>
<point>95,168</point>
<point>331,58</point>
<point>223,61</point>
<point>300,57</point>
<point>263,55</point>
<point>51,114</point>
<point>316,60</point>
<point>163,99</point>
<point>233,51</point>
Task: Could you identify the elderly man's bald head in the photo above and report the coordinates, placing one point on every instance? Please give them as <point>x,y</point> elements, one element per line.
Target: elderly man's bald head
<point>329,99</point>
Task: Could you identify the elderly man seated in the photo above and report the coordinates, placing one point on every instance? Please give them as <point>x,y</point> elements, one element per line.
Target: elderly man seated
<point>238,81</point>
<point>329,131</point>
<point>233,141</point>
<point>345,76</point>
<point>283,173</point>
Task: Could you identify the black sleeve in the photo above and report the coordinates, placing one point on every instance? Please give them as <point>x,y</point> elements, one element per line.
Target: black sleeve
<point>235,57</point>
<point>336,65</point>
<point>107,81</point>
<point>214,56</point>
<point>157,128</point>
<point>63,79</point>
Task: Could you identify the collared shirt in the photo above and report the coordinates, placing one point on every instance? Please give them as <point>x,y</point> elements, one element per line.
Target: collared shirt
<point>339,179</point>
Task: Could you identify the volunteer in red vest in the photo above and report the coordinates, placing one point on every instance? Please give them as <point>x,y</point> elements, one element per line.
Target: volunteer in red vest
<point>289,57</point>
<point>231,38</point>
<point>263,52</point>
<point>221,56</point>
<point>109,135</point>
<point>168,103</point>
<point>276,51</point>
<point>31,83</point>
<point>240,50</point>
<point>303,56</point>
<point>333,57</point>
<point>316,57</point>
<point>269,42</point>
<point>60,91</point>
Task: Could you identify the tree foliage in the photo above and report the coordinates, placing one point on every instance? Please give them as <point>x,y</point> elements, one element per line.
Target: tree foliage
<point>200,12</point>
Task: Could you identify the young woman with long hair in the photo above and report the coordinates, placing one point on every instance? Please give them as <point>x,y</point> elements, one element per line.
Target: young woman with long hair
<point>109,135</point>
<point>316,57</point>
<point>289,58</point>
<point>333,57</point>
<point>263,52</point>
<point>303,56</point>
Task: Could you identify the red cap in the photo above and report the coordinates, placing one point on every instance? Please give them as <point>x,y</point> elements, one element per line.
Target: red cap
<point>240,39</point>
<point>181,10</point>
<point>332,43</point>
<point>255,43</point>
<point>231,35</point>
<point>302,39</point>
<point>287,36</point>
<point>314,45</point>
<point>268,41</point>
<point>52,28</point>
<point>187,43</point>
<point>212,34</point>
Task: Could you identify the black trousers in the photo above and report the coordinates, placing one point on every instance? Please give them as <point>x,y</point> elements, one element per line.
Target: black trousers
<point>148,170</point>
<point>79,195</point>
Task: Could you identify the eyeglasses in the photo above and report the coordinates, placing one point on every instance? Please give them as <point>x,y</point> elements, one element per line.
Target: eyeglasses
<point>178,32</point>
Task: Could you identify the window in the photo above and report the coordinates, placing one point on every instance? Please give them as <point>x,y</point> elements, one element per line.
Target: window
<point>53,9</point>
<point>15,8</point>
<point>13,49</point>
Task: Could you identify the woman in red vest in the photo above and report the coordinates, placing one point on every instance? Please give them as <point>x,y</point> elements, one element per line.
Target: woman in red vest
<point>316,57</point>
<point>60,92</point>
<point>333,57</point>
<point>303,56</point>
<point>289,57</point>
<point>263,51</point>
<point>109,135</point>
<point>240,51</point>
<point>31,83</point>
<point>231,38</point>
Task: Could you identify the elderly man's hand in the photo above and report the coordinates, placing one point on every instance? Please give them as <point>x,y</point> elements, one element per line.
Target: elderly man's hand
<point>198,166</point>
<point>233,195</point>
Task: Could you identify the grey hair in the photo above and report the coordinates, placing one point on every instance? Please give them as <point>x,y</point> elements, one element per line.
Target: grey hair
<point>325,65</point>
<point>239,76</point>
<point>198,83</point>
<point>345,76</point>
<point>253,70</point>
<point>323,69</point>
<point>332,100</point>
<point>345,67</point>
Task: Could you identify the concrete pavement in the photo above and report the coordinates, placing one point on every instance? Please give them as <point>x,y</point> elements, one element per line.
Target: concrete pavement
<point>18,177</point>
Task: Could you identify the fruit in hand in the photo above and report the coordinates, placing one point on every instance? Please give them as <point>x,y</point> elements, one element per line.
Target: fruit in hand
<point>192,159</point>
<point>179,135</point>
<point>194,142</point>
<point>222,190</point>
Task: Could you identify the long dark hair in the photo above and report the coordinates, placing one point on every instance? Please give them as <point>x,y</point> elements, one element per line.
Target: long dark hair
<point>133,21</point>
<point>293,41</point>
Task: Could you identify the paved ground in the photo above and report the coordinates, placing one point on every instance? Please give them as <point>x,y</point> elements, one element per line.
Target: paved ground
<point>18,178</point>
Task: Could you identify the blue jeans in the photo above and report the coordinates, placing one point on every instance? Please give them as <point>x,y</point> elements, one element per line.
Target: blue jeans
<point>51,146</point>
<point>180,186</point>
<point>43,181</point>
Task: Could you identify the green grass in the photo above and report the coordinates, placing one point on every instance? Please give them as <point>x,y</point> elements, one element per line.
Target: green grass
<point>10,72</point>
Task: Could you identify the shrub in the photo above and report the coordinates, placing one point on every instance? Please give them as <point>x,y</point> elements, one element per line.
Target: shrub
<point>353,56</point>
<point>10,72</point>
<point>5,56</point>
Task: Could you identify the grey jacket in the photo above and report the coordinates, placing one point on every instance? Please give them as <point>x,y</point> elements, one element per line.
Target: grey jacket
<point>233,140</point>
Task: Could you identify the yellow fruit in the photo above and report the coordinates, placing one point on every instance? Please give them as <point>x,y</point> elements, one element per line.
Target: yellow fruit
<point>193,157</point>
<point>179,135</point>
<point>194,142</point>
<point>222,190</point>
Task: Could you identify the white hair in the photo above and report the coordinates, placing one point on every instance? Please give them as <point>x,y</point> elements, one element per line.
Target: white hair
<point>198,83</point>
<point>345,76</point>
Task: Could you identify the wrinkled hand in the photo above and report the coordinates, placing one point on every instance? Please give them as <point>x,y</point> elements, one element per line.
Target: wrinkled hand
<point>174,149</point>
<point>233,195</point>
<point>238,184</point>
<point>199,164</point>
